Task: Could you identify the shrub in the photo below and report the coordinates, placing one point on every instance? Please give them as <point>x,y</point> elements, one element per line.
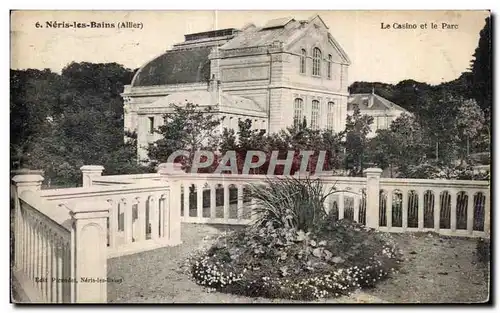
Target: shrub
<point>290,203</point>
<point>289,263</point>
<point>295,249</point>
<point>439,171</point>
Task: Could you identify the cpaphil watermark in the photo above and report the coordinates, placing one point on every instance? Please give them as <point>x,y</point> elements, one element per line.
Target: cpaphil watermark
<point>255,159</point>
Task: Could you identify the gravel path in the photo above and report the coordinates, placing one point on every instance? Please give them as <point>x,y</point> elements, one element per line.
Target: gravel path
<point>437,270</point>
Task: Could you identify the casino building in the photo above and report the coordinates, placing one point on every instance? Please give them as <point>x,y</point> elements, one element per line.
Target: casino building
<point>275,75</point>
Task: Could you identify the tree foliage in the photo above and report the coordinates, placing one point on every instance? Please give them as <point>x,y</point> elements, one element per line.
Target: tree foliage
<point>356,141</point>
<point>190,128</point>
<point>60,122</point>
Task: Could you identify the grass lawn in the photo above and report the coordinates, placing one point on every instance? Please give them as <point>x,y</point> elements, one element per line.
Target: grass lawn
<point>436,270</point>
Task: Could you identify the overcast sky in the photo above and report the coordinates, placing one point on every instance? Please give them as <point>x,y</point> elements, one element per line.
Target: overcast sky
<point>385,55</point>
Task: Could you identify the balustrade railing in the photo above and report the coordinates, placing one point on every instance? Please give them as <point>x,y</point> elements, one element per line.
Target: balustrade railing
<point>55,229</point>
<point>449,207</point>
<point>42,253</point>
<point>139,214</point>
<point>52,244</point>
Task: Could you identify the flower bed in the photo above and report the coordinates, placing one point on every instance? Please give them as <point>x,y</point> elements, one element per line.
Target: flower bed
<point>270,262</point>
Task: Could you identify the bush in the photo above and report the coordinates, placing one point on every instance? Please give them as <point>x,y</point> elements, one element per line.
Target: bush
<point>439,171</point>
<point>295,250</point>
<point>291,202</point>
<point>288,263</point>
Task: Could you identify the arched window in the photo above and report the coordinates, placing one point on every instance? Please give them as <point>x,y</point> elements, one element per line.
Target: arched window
<point>298,112</point>
<point>329,119</point>
<point>315,115</point>
<point>303,57</point>
<point>329,66</point>
<point>316,62</point>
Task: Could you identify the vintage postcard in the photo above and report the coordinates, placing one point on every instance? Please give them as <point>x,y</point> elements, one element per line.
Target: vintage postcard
<point>250,156</point>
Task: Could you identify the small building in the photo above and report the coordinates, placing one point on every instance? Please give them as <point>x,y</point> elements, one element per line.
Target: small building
<point>275,75</point>
<point>382,110</point>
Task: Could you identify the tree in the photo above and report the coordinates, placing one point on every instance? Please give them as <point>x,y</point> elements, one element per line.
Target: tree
<point>482,69</point>
<point>470,120</point>
<point>188,128</point>
<point>61,122</point>
<point>401,146</point>
<point>356,131</point>
<point>438,117</point>
<point>33,96</point>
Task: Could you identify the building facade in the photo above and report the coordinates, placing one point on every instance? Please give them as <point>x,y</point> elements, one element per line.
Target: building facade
<point>275,75</point>
<point>383,111</point>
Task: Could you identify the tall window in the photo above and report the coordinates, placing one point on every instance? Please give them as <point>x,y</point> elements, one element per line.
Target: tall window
<point>329,66</point>
<point>303,57</point>
<point>298,112</point>
<point>151,124</point>
<point>329,118</point>
<point>316,62</point>
<point>315,114</point>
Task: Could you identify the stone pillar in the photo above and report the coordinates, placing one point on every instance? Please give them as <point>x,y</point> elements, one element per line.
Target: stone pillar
<point>171,173</point>
<point>372,196</point>
<point>20,184</point>
<point>89,172</point>
<point>89,251</point>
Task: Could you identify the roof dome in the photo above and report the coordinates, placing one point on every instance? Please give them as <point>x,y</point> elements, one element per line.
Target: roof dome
<point>175,67</point>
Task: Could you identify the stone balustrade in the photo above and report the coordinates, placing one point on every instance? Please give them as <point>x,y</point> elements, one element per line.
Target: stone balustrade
<point>66,235</point>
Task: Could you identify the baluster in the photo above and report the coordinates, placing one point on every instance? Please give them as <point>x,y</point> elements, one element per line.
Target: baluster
<point>253,205</point>
<point>341,205</point>
<point>69,255</point>
<point>37,256</point>
<point>487,214</point>
<point>405,203</point>
<point>45,264</point>
<point>153,216</point>
<point>60,276</point>
<point>226,201</point>
<point>35,250</point>
<point>240,202</point>
<point>41,257</point>
<point>388,208</point>
<point>127,208</point>
<point>23,242</point>
<point>113,222</point>
<point>53,261</point>
<point>19,241</point>
<point>470,211</point>
<point>326,203</point>
<point>49,267</point>
<point>437,210</point>
<point>199,201</point>
<point>213,203</point>
<point>356,205</point>
<point>186,200</point>
<point>421,205</point>
<point>141,220</point>
<point>29,247</point>
<point>24,248</point>
<point>453,211</point>
<point>161,216</point>
<point>165,216</point>
<point>17,238</point>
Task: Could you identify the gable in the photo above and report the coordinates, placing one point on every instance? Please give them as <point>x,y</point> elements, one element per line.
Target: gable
<point>317,35</point>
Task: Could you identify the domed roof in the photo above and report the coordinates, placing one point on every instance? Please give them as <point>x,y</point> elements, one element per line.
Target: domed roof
<point>175,67</point>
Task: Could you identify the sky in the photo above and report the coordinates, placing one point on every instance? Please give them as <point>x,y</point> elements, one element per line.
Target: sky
<point>377,52</point>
